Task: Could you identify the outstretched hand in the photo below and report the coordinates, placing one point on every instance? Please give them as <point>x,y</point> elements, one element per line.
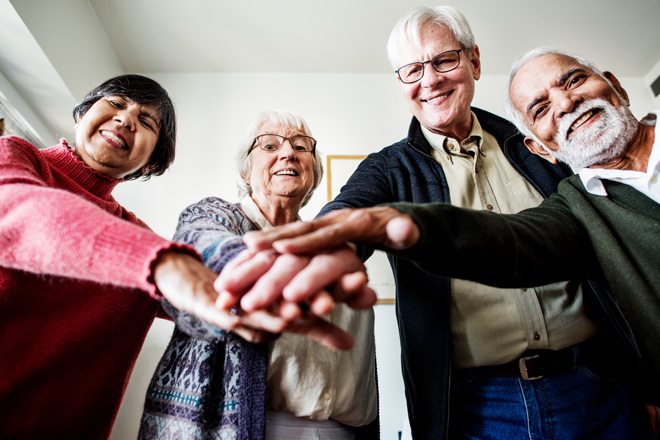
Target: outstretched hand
<point>379,225</point>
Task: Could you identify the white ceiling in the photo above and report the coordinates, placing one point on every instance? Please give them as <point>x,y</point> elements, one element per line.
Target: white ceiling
<point>53,51</point>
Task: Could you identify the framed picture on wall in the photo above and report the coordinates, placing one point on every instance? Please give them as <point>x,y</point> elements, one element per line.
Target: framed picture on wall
<point>339,169</point>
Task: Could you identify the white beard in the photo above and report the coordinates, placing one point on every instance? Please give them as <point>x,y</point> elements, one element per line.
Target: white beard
<point>605,140</point>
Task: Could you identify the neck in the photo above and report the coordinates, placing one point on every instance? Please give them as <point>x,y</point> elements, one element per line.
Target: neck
<point>460,132</point>
<point>636,157</point>
<point>278,212</point>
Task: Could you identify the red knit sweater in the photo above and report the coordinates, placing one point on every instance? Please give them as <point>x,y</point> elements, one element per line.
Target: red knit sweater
<point>76,301</point>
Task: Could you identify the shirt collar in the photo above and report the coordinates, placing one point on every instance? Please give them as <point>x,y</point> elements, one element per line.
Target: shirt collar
<point>592,178</point>
<point>442,143</point>
<point>254,213</point>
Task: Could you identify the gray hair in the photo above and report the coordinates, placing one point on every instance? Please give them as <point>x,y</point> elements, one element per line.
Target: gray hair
<point>510,111</point>
<point>283,118</point>
<point>408,28</point>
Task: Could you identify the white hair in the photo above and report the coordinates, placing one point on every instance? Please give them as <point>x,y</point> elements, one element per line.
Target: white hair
<point>284,118</point>
<point>407,29</point>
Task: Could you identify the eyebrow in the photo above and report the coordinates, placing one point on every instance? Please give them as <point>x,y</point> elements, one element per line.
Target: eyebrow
<point>560,81</point>
<point>143,112</point>
<point>152,117</point>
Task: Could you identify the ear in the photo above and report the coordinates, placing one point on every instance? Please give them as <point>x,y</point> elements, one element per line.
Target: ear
<point>617,86</point>
<point>475,60</point>
<point>538,149</point>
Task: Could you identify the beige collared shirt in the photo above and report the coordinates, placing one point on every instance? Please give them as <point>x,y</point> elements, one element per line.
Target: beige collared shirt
<point>492,326</point>
<point>318,383</point>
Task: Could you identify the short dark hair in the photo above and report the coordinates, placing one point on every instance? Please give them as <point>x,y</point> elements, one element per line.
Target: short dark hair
<point>145,91</point>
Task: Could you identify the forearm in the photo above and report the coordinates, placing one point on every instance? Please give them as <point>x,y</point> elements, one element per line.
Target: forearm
<point>53,232</point>
<point>214,230</point>
<point>535,247</point>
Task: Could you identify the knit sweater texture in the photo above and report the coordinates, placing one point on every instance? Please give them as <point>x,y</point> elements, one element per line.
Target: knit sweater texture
<point>210,383</point>
<point>76,301</point>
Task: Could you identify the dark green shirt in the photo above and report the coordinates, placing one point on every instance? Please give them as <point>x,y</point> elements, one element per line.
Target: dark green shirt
<point>613,239</point>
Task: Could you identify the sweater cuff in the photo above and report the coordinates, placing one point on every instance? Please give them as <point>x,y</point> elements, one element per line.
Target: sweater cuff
<point>124,255</point>
<point>170,247</point>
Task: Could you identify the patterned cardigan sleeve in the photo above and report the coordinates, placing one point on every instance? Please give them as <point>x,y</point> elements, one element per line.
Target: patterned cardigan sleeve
<point>214,228</point>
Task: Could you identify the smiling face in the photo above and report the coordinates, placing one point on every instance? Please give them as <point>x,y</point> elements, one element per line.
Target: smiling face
<point>441,101</point>
<point>280,177</point>
<point>117,136</point>
<point>578,116</point>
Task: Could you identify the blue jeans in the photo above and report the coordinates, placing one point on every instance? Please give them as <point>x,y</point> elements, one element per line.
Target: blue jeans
<point>589,403</point>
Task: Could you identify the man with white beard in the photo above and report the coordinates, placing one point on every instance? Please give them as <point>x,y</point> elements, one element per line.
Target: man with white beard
<point>603,223</point>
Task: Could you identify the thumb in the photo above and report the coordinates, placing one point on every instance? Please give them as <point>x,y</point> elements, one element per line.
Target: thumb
<point>402,232</point>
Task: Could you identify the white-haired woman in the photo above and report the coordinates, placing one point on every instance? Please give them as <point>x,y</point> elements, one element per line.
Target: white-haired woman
<point>211,383</point>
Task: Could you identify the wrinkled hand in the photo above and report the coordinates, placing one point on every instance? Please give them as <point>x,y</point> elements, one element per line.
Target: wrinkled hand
<point>260,280</point>
<point>253,283</point>
<point>188,285</point>
<point>377,225</point>
<point>252,327</point>
<point>308,324</point>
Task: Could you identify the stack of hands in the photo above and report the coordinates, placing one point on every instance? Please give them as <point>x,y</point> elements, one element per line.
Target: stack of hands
<point>291,276</point>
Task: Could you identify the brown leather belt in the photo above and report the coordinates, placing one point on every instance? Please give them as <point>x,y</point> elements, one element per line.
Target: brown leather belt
<point>532,366</point>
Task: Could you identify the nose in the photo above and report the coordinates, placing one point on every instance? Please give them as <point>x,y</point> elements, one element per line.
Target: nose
<point>126,119</point>
<point>564,101</point>
<point>431,76</point>
<point>287,150</point>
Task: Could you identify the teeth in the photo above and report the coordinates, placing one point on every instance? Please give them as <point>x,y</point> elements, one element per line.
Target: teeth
<point>286,173</point>
<point>114,138</point>
<point>581,120</point>
<point>437,97</point>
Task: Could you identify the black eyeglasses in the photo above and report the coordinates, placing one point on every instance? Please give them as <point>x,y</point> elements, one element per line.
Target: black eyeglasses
<point>443,62</point>
<point>274,142</point>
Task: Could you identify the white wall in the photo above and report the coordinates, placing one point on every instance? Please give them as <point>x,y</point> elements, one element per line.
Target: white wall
<point>653,74</point>
<point>348,114</point>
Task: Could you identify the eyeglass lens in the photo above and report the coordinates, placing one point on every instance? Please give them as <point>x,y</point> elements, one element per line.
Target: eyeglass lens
<point>443,62</point>
<point>274,142</point>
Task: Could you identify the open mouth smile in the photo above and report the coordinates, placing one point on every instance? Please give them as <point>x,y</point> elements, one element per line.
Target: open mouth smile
<point>115,139</point>
<point>438,98</point>
<point>582,119</point>
<point>288,172</point>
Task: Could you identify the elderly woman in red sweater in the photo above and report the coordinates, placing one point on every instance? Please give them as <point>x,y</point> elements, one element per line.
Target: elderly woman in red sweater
<point>80,276</point>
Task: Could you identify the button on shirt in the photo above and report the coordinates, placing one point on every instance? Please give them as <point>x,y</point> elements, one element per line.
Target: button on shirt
<point>318,383</point>
<point>646,183</point>
<point>492,326</point>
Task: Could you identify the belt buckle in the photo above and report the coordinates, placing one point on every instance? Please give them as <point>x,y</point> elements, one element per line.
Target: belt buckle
<point>522,365</point>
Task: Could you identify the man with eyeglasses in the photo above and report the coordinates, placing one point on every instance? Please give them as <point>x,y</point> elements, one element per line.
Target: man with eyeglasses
<point>507,355</point>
